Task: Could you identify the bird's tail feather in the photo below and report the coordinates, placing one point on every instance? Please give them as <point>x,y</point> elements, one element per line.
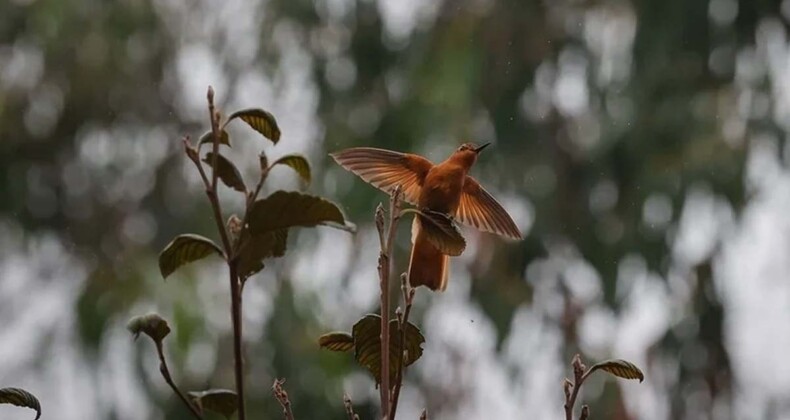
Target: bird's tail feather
<point>427,265</point>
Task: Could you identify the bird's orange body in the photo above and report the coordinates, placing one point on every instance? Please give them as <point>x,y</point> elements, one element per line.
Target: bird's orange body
<point>445,188</point>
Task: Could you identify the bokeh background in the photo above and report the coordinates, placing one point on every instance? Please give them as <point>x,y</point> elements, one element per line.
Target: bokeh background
<point>640,145</point>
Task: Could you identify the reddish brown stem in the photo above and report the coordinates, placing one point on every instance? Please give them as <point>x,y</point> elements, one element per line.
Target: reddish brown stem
<point>408,298</point>
<point>282,398</point>
<point>385,267</point>
<point>572,390</point>
<point>169,379</point>
<point>235,288</point>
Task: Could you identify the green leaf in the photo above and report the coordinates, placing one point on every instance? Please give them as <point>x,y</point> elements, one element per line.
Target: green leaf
<point>208,137</point>
<point>256,248</point>
<point>185,249</point>
<point>285,209</point>
<point>336,341</point>
<point>20,398</point>
<point>298,163</point>
<point>221,401</point>
<point>441,231</point>
<point>367,345</point>
<point>226,171</point>
<point>620,368</point>
<point>151,325</point>
<point>261,121</point>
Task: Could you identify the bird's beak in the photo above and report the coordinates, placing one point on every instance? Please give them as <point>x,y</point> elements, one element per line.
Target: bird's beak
<point>480,149</point>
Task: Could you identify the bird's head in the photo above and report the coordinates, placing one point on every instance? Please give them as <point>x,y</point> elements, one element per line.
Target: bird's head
<point>467,153</point>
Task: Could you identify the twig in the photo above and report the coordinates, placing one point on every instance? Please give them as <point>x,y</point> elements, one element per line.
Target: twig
<point>282,398</point>
<point>572,389</point>
<point>384,268</point>
<point>349,408</point>
<point>585,412</point>
<point>169,379</point>
<point>408,297</point>
<point>235,289</point>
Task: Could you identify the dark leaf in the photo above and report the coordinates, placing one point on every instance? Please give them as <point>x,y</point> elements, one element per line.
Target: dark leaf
<point>620,368</point>
<point>336,341</point>
<point>224,138</point>
<point>185,249</point>
<point>298,163</point>
<point>220,401</point>
<point>261,121</point>
<point>256,248</point>
<point>151,325</point>
<point>441,231</point>
<point>367,345</point>
<point>226,171</point>
<point>20,398</point>
<point>285,209</point>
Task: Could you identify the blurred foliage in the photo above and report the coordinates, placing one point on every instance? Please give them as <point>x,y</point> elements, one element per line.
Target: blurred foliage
<point>605,116</point>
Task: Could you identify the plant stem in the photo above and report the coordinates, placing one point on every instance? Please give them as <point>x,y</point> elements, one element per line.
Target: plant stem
<point>585,412</point>
<point>235,289</point>
<point>235,309</point>
<point>385,267</point>
<point>349,408</point>
<point>166,374</point>
<point>408,298</point>
<point>578,379</point>
<point>282,398</point>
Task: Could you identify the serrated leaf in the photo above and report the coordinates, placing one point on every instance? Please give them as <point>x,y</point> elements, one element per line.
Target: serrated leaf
<point>620,368</point>
<point>336,341</point>
<point>221,401</point>
<point>185,249</point>
<point>208,137</point>
<point>20,398</point>
<point>441,231</point>
<point>286,209</point>
<point>367,345</point>
<point>226,171</point>
<point>297,163</point>
<point>256,248</point>
<point>261,121</point>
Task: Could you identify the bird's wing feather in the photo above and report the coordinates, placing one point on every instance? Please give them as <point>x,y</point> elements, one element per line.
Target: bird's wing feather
<point>480,209</point>
<point>385,169</point>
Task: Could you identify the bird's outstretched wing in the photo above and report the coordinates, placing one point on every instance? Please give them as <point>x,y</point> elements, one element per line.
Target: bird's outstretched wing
<point>385,169</point>
<point>480,209</point>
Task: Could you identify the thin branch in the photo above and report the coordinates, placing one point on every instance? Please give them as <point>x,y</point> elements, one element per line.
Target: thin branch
<point>349,408</point>
<point>384,268</point>
<point>282,398</point>
<point>408,297</point>
<point>214,116</point>
<point>572,390</point>
<point>585,412</point>
<point>169,379</point>
<point>235,288</point>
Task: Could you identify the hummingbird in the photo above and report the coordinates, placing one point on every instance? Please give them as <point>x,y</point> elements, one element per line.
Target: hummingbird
<point>445,187</point>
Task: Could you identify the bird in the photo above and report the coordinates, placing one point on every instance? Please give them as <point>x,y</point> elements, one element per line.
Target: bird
<point>445,187</point>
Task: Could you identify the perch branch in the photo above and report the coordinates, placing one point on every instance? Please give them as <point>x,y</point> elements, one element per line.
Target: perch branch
<point>235,288</point>
<point>282,398</point>
<point>408,297</point>
<point>572,389</point>
<point>384,268</point>
<point>349,408</point>
<point>169,379</point>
